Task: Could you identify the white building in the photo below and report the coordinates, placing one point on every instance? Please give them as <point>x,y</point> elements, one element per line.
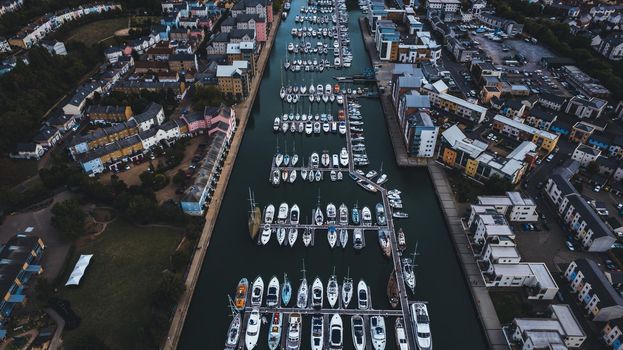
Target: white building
<point>487,224</point>
<point>535,276</point>
<point>513,205</point>
<point>439,98</point>
<point>585,154</point>
<point>421,135</point>
<point>54,47</point>
<point>560,331</point>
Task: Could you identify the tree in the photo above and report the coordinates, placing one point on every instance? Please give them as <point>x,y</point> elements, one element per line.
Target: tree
<point>592,168</point>
<point>496,185</point>
<point>160,181</point>
<point>170,289</point>
<point>206,96</point>
<point>68,218</point>
<point>179,178</point>
<point>89,341</point>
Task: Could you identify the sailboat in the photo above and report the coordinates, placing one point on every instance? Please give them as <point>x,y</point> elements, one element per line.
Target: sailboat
<point>255,216</point>
<point>332,236</point>
<point>233,333</point>
<point>347,290</point>
<point>343,237</point>
<point>307,236</point>
<point>302,295</point>
<point>408,270</point>
<point>295,157</point>
<point>286,291</point>
<point>333,289</point>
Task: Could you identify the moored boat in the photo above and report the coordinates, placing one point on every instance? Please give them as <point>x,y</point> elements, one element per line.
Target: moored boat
<point>272,292</point>
<point>336,333</point>
<point>421,323</point>
<point>384,242</point>
<point>381,219</point>
<point>363,297</point>
<point>401,335</point>
<point>293,340</point>
<point>358,331</point>
<point>377,331</point>
<point>332,236</point>
<point>317,332</point>
<point>333,290</point>
<point>274,333</point>
<point>286,291</point>
<point>241,294</point>
<point>317,294</point>
<point>253,329</point>
<point>257,291</point>
<point>233,332</point>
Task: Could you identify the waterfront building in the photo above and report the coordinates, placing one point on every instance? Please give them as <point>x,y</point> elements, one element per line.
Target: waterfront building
<point>546,141</point>
<point>420,135</point>
<point>612,333</point>
<point>448,10</point>
<point>594,292</point>
<point>439,97</point>
<point>21,260</point>
<point>577,214</point>
<point>486,224</point>
<point>456,150</point>
<point>515,206</point>
<point>560,330</point>
<point>535,277</point>
<point>234,80</point>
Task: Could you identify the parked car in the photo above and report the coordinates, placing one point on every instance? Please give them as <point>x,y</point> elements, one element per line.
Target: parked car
<point>610,264</point>
<point>597,188</point>
<point>570,246</point>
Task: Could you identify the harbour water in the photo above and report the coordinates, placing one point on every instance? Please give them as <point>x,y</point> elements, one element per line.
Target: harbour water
<point>232,254</point>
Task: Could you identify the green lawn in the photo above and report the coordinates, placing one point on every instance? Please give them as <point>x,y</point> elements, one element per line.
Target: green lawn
<point>94,32</point>
<point>114,297</point>
<point>14,171</point>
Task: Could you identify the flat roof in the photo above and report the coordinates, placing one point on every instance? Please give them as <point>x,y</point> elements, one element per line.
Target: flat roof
<point>567,320</point>
<point>504,252</point>
<point>462,102</point>
<point>526,128</point>
<point>495,200</point>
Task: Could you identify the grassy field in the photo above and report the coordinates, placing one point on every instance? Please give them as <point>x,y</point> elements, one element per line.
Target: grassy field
<point>94,32</point>
<point>14,171</point>
<point>114,297</point>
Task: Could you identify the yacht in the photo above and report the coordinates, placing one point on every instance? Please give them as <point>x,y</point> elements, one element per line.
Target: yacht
<point>318,216</point>
<point>272,293</point>
<point>408,273</point>
<point>281,235</point>
<point>358,239</point>
<point>282,214</point>
<point>331,214</point>
<point>384,242</point>
<point>317,294</point>
<point>253,330</point>
<point>354,215</point>
<point>377,332</point>
<point>341,127</point>
<point>421,323</point>
<point>292,236</point>
<point>366,216</point>
<point>293,340</point>
<point>358,330</point>
<point>303,294</point>
<point>278,159</point>
<point>335,161</point>
<point>382,179</point>
<point>380,214</point>
<point>333,290</point>
<point>401,335</point>
<point>343,218</point>
<point>343,237</point>
<point>276,178</point>
<point>269,214</point>
<point>344,157</point>
<point>233,333</point>
<point>325,159</point>
<point>286,291</point>
<point>317,332</point>
<point>266,233</point>
<point>347,291</point>
<point>315,160</point>
<point>257,291</point>
<point>336,333</point>
<point>294,215</point>
<point>332,236</point>
<point>363,295</point>
<point>276,124</point>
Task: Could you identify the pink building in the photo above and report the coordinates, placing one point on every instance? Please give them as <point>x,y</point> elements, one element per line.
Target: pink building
<point>221,118</point>
<point>196,122</point>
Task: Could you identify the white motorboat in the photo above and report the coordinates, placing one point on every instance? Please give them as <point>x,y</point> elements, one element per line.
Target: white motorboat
<point>233,333</point>
<point>333,175</point>
<point>318,216</point>
<point>309,128</point>
<point>317,294</point>
<point>278,159</point>
<point>382,179</point>
<point>332,236</point>
<point>318,175</point>
<point>366,216</point>
<point>326,127</point>
<point>317,332</point>
<point>343,236</point>
<point>269,214</point>
<point>377,332</point>
<point>272,292</point>
<point>307,237</point>
<point>253,330</point>
<point>381,219</point>
<point>344,157</point>
<point>266,233</point>
<point>295,324</point>
<point>358,330</point>
<point>281,235</point>
<point>314,160</point>
<point>331,213</point>
<point>341,128</point>
<point>343,214</point>
<point>335,161</point>
<point>358,239</point>
<point>421,323</point>
<point>340,176</point>
<point>325,159</point>
<point>276,124</point>
<point>401,335</point>
<point>336,333</point>
<point>317,128</point>
<point>292,176</point>
<point>292,235</point>
<point>294,214</point>
<point>327,89</point>
<point>304,174</point>
<point>282,92</point>
<point>274,333</point>
<point>303,294</point>
<point>371,174</point>
<point>399,214</point>
<point>363,297</point>
<point>333,290</point>
<point>257,291</point>
<point>295,158</point>
<point>282,214</point>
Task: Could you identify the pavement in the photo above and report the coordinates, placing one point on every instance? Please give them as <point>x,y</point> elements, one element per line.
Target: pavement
<point>484,306</point>
<point>243,110</point>
<point>56,342</point>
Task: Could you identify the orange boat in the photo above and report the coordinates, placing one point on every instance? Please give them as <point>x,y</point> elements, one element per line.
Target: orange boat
<point>336,88</point>
<point>340,115</point>
<point>241,294</point>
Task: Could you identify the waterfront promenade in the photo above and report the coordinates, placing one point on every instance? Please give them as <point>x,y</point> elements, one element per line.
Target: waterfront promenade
<point>486,312</point>
<point>243,111</point>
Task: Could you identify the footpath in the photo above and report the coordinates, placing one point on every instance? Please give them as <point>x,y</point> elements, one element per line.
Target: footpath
<point>243,111</point>
<point>484,306</point>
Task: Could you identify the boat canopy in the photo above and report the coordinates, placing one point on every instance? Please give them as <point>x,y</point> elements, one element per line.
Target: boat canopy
<point>79,269</point>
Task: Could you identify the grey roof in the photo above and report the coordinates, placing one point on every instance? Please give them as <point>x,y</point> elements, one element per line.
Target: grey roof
<point>26,147</point>
<point>130,141</point>
<point>562,184</point>
<point>589,215</point>
<point>542,114</point>
<point>599,283</point>
<point>415,100</point>
<point>553,98</point>
<point>45,133</point>
<point>240,33</point>
<point>82,92</point>
<point>102,109</point>
<point>149,113</point>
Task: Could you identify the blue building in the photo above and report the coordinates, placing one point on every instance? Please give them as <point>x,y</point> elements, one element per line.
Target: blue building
<point>20,259</point>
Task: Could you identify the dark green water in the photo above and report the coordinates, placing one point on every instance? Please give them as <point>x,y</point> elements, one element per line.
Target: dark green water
<point>233,255</point>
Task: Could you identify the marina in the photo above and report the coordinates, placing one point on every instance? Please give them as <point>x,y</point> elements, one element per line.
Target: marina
<point>424,225</point>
